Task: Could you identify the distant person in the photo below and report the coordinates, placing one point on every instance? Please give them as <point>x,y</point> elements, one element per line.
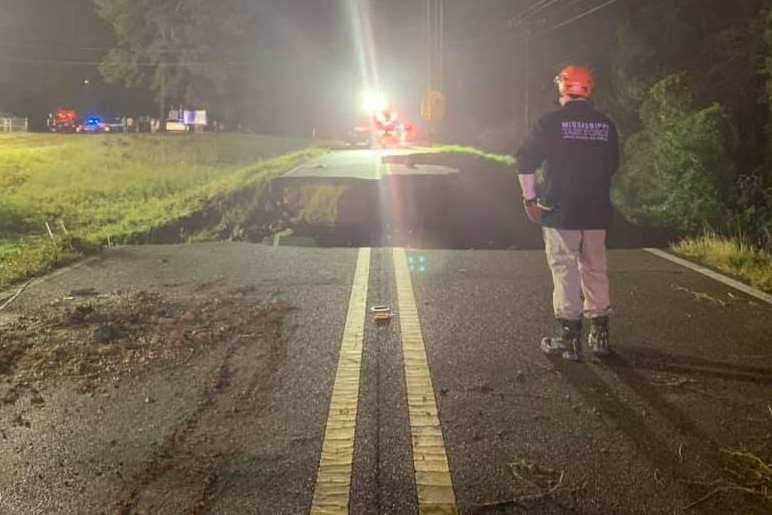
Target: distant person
<point>578,150</point>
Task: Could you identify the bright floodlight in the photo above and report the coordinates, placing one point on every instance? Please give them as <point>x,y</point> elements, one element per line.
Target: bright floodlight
<point>374,101</point>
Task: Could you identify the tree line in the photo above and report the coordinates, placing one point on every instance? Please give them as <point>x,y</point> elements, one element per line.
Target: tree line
<point>245,61</point>
<point>692,95</point>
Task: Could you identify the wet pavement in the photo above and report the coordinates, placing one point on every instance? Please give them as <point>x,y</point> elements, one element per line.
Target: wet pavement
<point>674,421</point>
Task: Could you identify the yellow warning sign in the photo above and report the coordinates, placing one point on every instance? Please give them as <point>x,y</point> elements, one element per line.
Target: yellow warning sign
<point>433,106</point>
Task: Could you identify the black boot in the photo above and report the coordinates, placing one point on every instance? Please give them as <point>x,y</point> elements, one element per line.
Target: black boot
<point>598,337</point>
<point>568,344</point>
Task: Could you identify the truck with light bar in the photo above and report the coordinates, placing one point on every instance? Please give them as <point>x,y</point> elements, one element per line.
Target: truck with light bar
<point>64,120</point>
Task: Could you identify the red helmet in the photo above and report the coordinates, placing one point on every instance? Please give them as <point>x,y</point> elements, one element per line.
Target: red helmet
<point>575,81</point>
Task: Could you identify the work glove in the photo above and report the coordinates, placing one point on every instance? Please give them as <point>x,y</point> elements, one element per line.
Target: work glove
<point>533,210</point>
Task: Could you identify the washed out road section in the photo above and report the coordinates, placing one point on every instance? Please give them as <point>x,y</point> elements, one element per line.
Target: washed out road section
<point>415,197</point>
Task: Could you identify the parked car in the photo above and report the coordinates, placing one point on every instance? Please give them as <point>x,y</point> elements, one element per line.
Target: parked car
<point>93,124</point>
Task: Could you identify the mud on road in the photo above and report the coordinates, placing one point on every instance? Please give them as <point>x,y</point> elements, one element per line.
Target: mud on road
<point>87,348</point>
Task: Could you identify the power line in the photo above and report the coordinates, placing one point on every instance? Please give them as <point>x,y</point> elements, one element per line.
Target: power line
<point>529,36</point>
<point>141,64</point>
<point>530,11</point>
<point>500,29</point>
<point>58,47</point>
<point>575,18</point>
<point>569,3</point>
<point>48,61</point>
<point>52,46</point>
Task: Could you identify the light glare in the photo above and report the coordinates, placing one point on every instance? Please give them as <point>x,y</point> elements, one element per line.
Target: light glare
<point>374,101</point>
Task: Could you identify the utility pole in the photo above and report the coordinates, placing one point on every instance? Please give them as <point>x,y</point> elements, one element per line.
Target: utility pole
<point>428,48</point>
<point>434,44</point>
<point>527,80</point>
<point>433,102</point>
<point>163,114</point>
<point>527,34</point>
<point>441,45</point>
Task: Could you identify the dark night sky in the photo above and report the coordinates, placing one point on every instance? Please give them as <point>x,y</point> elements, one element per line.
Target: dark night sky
<point>309,70</point>
<point>483,75</point>
<point>484,59</point>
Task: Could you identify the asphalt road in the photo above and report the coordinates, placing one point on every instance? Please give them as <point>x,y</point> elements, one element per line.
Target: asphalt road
<point>448,406</point>
<point>636,433</point>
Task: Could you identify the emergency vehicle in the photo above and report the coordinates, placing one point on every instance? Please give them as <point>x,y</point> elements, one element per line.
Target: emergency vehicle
<point>389,130</point>
<point>64,120</point>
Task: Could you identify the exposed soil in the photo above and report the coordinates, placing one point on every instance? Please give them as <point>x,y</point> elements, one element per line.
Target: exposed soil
<point>96,338</point>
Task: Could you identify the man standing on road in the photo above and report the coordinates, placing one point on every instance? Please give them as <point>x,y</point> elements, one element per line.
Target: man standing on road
<point>577,148</point>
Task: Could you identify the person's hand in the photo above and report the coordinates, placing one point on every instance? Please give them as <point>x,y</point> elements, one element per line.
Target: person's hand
<point>532,210</point>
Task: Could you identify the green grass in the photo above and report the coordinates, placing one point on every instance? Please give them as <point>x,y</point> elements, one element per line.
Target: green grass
<point>749,264</point>
<point>460,149</point>
<point>89,188</point>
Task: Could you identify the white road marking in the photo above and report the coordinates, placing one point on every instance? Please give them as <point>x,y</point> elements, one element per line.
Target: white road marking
<point>333,480</point>
<point>430,462</point>
<point>753,292</point>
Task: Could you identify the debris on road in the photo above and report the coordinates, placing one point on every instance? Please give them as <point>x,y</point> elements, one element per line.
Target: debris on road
<point>93,343</point>
<point>83,292</point>
<point>540,484</point>
<point>672,382</point>
<point>383,318</point>
<point>101,338</point>
<point>383,314</point>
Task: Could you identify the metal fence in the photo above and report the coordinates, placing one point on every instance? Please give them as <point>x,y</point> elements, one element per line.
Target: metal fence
<point>12,124</point>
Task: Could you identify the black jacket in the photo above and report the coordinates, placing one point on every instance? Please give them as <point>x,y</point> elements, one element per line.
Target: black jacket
<point>579,150</point>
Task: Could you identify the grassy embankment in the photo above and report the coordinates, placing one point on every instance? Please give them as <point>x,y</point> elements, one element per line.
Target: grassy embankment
<point>121,188</point>
<point>452,149</point>
<point>729,255</point>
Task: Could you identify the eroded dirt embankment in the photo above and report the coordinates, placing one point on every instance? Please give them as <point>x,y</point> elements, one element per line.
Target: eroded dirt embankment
<point>476,205</point>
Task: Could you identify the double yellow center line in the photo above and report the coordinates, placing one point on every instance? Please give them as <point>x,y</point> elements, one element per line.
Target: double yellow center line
<point>432,473</point>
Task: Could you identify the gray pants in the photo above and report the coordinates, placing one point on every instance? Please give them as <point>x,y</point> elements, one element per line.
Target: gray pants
<point>578,263</point>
